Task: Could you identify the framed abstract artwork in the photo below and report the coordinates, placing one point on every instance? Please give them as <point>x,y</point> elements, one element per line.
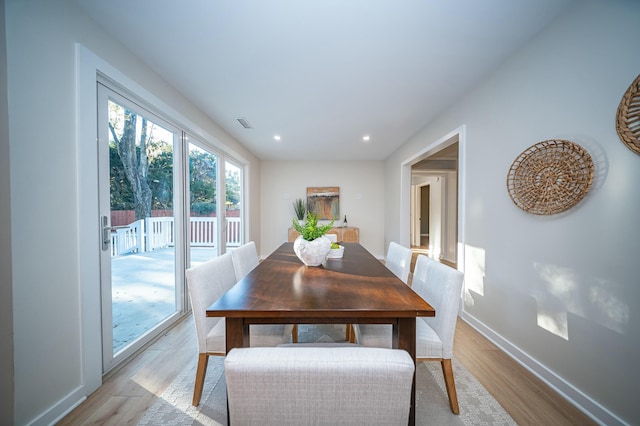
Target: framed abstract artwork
<point>324,201</point>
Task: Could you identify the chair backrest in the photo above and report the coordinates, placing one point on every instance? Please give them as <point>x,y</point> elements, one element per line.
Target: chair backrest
<point>333,237</point>
<point>399,260</point>
<point>420,272</point>
<point>245,258</point>
<point>318,385</point>
<point>441,286</point>
<point>206,283</point>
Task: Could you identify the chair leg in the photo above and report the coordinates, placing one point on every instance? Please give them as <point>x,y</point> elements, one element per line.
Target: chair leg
<point>294,334</point>
<point>352,334</point>
<point>447,371</point>
<point>203,361</point>
<point>348,332</point>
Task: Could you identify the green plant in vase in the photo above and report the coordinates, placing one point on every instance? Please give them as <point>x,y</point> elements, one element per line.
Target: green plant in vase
<point>310,230</point>
<point>311,246</point>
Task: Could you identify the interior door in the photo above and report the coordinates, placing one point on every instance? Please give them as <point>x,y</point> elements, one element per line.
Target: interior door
<point>424,211</point>
<point>140,228</point>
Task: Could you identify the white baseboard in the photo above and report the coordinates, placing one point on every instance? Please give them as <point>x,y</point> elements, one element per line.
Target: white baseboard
<point>587,405</point>
<point>63,407</point>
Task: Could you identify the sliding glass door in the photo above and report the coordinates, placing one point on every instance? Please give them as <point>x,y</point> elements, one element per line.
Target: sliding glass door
<point>233,206</point>
<point>167,201</point>
<point>138,161</point>
<point>205,229</point>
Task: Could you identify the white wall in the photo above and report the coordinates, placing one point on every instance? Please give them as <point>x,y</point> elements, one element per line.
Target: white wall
<point>6,297</point>
<point>51,275</point>
<point>361,197</point>
<point>560,292</point>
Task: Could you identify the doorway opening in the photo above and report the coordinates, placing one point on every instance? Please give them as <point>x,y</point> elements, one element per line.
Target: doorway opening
<point>434,181</point>
<point>432,190</point>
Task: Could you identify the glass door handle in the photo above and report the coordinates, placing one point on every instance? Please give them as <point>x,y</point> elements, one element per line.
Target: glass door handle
<point>106,233</point>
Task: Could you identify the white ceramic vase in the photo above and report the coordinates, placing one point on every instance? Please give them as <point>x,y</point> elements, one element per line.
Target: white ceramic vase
<point>312,253</point>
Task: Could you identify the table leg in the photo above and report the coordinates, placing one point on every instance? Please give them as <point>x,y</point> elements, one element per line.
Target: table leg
<point>236,333</point>
<point>404,337</point>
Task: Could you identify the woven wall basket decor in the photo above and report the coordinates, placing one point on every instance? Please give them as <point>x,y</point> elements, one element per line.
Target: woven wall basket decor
<point>550,177</point>
<point>628,117</point>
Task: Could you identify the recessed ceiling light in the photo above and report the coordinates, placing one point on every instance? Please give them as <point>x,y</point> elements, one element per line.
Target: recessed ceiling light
<point>276,137</point>
<point>366,138</point>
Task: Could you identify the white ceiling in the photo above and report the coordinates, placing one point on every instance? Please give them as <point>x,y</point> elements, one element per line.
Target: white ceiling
<point>323,73</point>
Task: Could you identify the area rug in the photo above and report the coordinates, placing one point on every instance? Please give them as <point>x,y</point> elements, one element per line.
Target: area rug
<point>477,406</point>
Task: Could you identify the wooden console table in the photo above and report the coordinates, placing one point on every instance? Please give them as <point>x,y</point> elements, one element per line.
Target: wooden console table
<point>349,234</point>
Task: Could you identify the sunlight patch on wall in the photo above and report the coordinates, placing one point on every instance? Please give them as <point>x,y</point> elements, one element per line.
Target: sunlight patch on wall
<point>554,321</point>
<point>555,298</point>
<point>474,273</point>
<point>611,312</point>
<point>563,291</point>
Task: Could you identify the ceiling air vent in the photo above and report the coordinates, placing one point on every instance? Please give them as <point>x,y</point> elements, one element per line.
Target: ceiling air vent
<point>244,123</point>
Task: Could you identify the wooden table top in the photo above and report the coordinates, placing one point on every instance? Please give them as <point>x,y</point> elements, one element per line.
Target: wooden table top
<point>357,287</point>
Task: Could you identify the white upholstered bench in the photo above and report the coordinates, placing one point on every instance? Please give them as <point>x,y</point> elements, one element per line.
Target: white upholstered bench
<point>315,385</point>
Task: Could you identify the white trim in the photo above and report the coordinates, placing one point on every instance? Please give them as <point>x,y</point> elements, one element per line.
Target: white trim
<point>405,205</point>
<point>60,409</point>
<point>583,402</point>
<point>246,229</point>
<point>221,211</point>
<point>462,198</point>
<point>88,214</point>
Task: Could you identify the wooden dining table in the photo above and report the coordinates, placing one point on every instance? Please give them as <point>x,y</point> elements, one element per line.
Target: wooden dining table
<point>357,289</point>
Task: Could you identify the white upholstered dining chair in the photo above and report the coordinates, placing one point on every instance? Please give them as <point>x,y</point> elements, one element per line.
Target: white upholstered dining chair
<point>206,283</point>
<point>441,287</point>
<point>245,258</point>
<point>318,385</point>
<point>333,237</point>
<point>398,260</point>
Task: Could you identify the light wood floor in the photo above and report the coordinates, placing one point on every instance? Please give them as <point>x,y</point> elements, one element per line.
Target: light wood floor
<point>526,398</point>
<point>130,391</point>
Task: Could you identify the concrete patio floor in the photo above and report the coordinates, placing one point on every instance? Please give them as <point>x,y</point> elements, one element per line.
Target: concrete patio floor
<point>143,291</point>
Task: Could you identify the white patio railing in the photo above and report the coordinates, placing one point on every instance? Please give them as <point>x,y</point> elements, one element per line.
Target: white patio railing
<point>127,239</point>
<point>159,232</point>
<point>203,230</point>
